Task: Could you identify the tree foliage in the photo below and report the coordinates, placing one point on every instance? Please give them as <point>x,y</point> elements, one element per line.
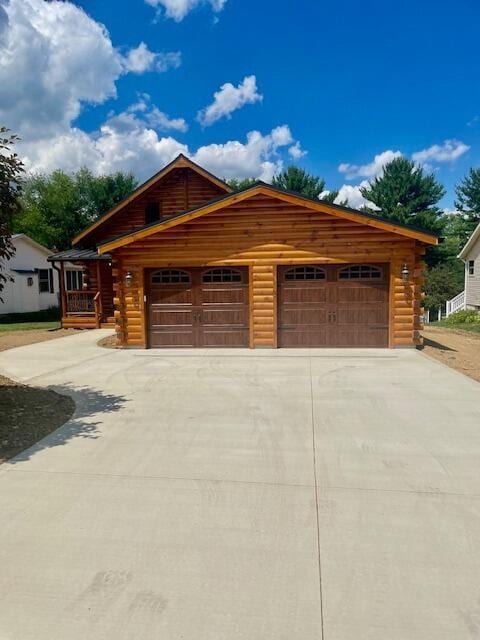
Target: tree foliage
<point>238,184</point>
<point>56,207</point>
<point>468,204</point>
<point>443,282</point>
<point>11,170</point>
<point>404,193</point>
<point>298,180</point>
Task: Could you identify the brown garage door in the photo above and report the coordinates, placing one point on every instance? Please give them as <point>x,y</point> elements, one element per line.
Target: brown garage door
<point>333,306</point>
<point>198,307</point>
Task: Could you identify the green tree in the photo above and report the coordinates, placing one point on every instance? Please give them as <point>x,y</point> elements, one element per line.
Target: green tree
<point>56,207</point>
<point>404,193</point>
<point>11,169</point>
<point>443,282</point>
<point>238,184</point>
<point>101,193</point>
<point>468,204</point>
<point>298,180</point>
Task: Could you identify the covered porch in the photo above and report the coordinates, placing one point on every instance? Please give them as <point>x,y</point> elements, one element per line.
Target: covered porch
<point>86,289</point>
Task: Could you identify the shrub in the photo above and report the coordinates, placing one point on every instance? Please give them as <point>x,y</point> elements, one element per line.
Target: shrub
<point>46,315</point>
<point>467,316</point>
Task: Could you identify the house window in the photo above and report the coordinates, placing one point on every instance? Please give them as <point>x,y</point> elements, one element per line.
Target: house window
<point>74,280</point>
<point>45,280</point>
<point>152,212</point>
<point>305,273</point>
<point>471,267</point>
<point>360,272</point>
<point>222,275</point>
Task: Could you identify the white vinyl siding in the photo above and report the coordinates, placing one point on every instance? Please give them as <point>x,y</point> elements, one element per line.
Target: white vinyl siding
<point>472,280</point>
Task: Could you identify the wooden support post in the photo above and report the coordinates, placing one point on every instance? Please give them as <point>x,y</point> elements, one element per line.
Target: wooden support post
<point>99,290</point>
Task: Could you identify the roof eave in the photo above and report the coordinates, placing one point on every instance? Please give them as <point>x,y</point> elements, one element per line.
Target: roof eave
<point>463,255</point>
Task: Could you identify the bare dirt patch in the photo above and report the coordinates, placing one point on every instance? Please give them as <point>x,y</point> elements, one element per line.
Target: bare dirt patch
<point>457,349</point>
<point>110,342</point>
<point>28,414</point>
<point>11,339</point>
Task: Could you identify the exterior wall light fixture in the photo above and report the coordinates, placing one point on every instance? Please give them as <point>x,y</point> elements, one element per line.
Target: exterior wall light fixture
<point>405,273</point>
<point>128,279</point>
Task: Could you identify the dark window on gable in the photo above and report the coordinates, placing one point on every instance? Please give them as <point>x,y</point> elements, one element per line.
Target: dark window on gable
<point>471,267</point>
<point>152,212</point>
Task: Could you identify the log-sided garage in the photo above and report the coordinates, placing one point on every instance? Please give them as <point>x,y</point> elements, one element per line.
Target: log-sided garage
<point>195,265</point>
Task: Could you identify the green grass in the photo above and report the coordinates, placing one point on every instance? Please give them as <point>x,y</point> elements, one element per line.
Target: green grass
<point>463,326</point>
<point>28,326</point>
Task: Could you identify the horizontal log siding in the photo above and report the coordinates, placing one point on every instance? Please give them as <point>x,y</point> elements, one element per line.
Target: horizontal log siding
<point>263,306</point>
<point>129,306</point>
<point>179,191</point>
<point>265,232</point>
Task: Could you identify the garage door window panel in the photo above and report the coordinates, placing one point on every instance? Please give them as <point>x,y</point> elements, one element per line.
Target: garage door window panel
<point>305,273</point>
<point>222,276</point>
<point>171,276</point>
<point>360,272</point>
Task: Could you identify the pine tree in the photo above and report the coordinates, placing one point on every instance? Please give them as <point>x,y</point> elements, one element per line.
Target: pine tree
<point>238,184</point>
<point>468,203</point>
<point>298,180</point>
<point>404,193</point>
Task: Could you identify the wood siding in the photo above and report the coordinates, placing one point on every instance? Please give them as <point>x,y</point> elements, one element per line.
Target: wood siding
<point>262,233</point>
<point>180,190</point>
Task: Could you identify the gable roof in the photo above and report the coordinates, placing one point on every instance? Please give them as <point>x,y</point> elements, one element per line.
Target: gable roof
<point>470,243</point>
<point>33,243</point>
<point>261,188</point>
<point>180,162</point>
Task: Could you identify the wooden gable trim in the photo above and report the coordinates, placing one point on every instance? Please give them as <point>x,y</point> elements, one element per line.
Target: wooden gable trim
<point>235,198</point>
<point>180,162</point>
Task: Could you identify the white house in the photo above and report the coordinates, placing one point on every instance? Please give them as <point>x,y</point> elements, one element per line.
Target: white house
<point>35,284</point>
<point>470,296</point>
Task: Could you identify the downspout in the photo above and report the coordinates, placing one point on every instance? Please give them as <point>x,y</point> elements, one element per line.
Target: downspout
<point>60,285</point>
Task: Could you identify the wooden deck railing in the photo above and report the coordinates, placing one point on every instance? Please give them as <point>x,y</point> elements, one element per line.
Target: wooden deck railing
<point>81,303</point>
<point>84,303</point>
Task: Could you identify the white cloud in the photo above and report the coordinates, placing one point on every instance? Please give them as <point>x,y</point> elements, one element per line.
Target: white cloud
<point>352,195</point>
<point>141,59</point>
<point>370,170</point>
<point>126,143</point>
<point>449,151</point>
<point>144,113</point>
<point>258,157</point>
<point>228,99</point>
<point>296,151</point>
<point>54,58</point>
<point>178,9</point>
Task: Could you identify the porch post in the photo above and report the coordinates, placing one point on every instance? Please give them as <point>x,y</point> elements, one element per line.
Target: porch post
<point>99,290</point>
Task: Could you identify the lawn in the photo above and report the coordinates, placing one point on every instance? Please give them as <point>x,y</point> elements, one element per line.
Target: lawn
<point>29,326</point>
<point>462,326</point>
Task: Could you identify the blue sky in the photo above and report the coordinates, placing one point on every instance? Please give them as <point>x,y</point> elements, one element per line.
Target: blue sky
<point>349,80</point>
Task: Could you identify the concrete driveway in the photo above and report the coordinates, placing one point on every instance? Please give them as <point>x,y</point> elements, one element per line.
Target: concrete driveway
<point>216,495</point>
